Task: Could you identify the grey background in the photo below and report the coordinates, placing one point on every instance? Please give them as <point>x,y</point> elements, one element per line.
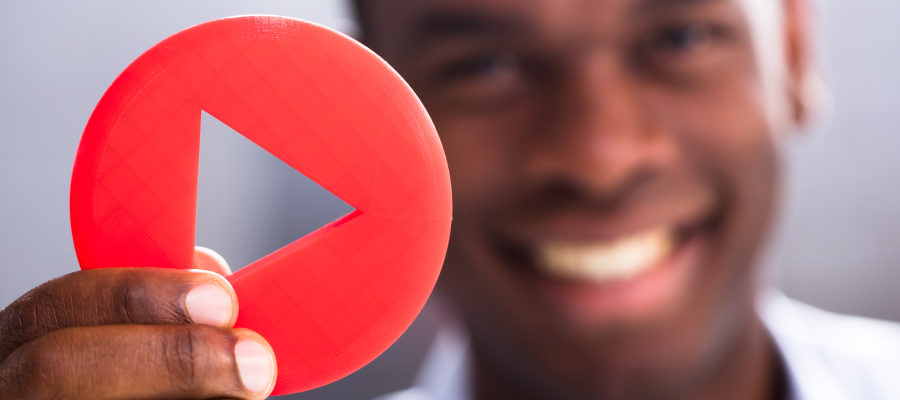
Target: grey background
<point>837,245</point>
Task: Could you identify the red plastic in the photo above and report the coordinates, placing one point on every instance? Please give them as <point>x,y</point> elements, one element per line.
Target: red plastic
<point>334,300</point>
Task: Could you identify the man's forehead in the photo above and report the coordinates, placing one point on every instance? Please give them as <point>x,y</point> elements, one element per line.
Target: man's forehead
<point>397,22</point>
<point>415,13</point>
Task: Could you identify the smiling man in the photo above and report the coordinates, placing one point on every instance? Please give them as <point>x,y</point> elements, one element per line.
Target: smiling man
<point>615,170</point>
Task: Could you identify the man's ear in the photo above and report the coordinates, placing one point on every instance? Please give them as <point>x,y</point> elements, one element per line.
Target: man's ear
<point>802,77</point>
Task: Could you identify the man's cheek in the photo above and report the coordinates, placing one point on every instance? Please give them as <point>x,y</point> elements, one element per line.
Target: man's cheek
<point>478,165</point>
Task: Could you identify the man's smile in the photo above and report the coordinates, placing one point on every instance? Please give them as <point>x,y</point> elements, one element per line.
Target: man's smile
<point>631,275</point>
<point>607,261</point>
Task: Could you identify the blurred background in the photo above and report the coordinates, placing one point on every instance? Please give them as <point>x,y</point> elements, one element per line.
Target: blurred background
<point>836,245</point>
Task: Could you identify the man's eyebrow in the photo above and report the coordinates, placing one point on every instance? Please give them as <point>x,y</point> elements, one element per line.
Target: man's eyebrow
<point>441,25</point>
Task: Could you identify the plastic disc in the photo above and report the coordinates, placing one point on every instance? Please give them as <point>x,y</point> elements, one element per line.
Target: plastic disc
<point>335,299</point>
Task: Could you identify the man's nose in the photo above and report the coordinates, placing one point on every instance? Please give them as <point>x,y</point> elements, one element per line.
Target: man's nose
<point>598,133</point>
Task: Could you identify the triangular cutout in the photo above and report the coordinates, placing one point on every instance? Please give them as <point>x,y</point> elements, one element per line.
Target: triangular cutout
<point>250,203</point>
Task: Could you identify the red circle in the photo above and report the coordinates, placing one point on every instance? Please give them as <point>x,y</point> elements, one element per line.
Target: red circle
<point>335,299</point>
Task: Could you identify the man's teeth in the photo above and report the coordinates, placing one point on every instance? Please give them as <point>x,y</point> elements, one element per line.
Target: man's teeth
<point>619,259</point>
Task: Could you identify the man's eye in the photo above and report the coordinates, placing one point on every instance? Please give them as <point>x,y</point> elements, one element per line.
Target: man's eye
<point>497,68</point>
<point>686,50</point>
<point>483,80</point>
<point>679,40</point>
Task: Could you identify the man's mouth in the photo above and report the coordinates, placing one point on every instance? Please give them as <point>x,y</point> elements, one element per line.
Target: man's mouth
<point>606,260</point>
<point>612,276</point>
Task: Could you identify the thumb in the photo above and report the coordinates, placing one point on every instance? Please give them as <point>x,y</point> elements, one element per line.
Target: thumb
<point>209,260</point>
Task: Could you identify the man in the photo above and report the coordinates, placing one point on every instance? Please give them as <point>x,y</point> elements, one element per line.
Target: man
<point>615,170</point>
<point>615,167</point>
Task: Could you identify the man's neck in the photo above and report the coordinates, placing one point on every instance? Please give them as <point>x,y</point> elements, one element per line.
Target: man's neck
<point>750,370</point>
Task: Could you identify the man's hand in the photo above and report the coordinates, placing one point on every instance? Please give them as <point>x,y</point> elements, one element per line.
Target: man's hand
<point>136,333</point>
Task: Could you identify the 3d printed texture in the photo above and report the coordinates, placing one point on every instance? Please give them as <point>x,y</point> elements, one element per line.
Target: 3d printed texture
<point>335,299</point>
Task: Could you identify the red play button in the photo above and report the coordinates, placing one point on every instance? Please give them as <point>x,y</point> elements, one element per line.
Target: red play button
<point>332,301</point>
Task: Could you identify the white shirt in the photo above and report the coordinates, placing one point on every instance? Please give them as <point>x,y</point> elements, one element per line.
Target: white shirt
<point>827,356</point>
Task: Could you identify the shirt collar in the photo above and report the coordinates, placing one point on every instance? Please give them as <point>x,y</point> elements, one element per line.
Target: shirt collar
<point>809,374</point>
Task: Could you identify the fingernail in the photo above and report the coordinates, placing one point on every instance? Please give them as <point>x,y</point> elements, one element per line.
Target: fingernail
<point>255,365</point>
<point>209,304</point>
<point>209,260</point>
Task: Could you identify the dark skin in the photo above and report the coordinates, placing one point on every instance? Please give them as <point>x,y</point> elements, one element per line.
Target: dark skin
<point>121,333</point>
<point>563,121</point>
<point>587,120</point>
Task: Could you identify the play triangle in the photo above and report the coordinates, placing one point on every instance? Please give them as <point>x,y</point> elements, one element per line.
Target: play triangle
<point>250,203</point>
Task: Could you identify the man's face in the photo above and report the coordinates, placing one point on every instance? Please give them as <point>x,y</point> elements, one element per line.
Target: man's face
<point>613,174</point>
